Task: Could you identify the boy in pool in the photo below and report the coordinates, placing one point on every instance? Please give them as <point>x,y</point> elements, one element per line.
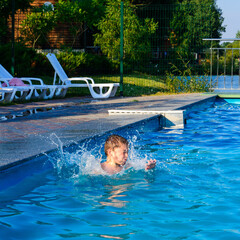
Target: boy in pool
<point>116,150</point>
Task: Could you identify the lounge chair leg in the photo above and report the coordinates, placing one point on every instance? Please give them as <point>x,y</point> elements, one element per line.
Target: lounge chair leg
<point>61,92</point>
<point>25,95</point>
<point>41,95</point>
<point>100,94</point>
<point>51,94</point>
<point>7,96</point>
<point>114,91</point>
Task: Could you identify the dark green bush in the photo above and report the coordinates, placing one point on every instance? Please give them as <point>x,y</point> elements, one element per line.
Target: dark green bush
<point>30,63</point>
<point>97,64</point>
<point>84,64</point>
<point>27,61</point>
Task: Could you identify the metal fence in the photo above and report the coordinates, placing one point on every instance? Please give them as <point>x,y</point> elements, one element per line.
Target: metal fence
<point>146,75</point>
<point>224,69</point>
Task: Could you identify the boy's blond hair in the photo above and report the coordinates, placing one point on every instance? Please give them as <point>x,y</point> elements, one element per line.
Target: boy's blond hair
<point>114,141</point>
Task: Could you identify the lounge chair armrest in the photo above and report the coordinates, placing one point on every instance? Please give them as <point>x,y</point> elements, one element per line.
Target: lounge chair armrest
<point>27,80</point>
<point>85,79</point>
<point>90,79</point>
<point>30,79</point>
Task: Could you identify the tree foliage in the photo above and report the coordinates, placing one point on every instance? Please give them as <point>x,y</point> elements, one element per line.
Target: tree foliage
<point>37,25</point>
<point>238,34</point>
<point>6,10</point>
<point>6,6</point>
<point>153,2</point>
<point>136,32</point>
<point>78,15</point>
<point>194,20</point>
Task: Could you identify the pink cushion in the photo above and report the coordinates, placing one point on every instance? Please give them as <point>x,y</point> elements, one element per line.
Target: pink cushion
<point>15,82</point>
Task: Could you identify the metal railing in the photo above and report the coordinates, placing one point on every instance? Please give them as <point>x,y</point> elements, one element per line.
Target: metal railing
<point>223,70</point>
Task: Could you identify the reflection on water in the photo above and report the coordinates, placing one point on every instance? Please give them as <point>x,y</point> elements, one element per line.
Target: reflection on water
<point>113,193</point>
<point>110,237</point>
<point>27,113</point>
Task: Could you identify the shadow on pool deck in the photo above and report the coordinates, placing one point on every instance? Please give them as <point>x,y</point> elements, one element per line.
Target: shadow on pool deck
<point>31,129</point>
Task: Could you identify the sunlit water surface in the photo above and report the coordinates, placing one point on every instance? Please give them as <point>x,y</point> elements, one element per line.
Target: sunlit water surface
<point>194,192</point>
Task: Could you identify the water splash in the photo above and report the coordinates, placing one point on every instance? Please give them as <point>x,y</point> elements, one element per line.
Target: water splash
<point>85,159</point>
<point>72,165</point>
<point>135,156</point>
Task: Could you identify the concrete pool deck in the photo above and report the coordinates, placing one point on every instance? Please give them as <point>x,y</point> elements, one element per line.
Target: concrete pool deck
<point>32,128</point>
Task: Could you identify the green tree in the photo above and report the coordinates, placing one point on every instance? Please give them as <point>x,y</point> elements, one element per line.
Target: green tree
<point>136,32</point>
<point>238,34</point>
<point>37,25</point>
<point>153,2</point>
<point>80,15</point>
<point>5,11</point>
<point>194,20</point>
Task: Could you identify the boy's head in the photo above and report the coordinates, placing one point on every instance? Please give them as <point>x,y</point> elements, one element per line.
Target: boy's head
<point>114,141</point>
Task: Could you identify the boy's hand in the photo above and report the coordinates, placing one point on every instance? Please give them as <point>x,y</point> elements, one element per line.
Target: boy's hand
<point>150,164</point>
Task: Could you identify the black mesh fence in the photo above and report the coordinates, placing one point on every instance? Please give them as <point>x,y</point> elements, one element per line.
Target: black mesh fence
<point>173,46</point>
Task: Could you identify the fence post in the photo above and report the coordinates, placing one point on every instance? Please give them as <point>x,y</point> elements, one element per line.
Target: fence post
<point>13,38</point>
<point>121,50</point>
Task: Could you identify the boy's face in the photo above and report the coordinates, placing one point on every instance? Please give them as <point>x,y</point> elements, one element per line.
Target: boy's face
<point>119,154</point>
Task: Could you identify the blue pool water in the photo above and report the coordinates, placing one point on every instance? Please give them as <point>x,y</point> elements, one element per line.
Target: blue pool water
<point>192,194</point>
<point>233,101</point>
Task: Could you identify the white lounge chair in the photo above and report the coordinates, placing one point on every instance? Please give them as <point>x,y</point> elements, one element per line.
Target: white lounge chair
<point>97,90</point>
<point>37,91</point>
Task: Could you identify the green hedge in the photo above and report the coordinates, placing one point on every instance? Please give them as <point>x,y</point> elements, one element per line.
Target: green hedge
<point>27,61</point>
<point>30,63</point>
<point>80,64</point>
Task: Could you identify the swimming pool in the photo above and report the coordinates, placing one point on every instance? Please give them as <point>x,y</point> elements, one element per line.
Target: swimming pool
<point>192,194</point>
